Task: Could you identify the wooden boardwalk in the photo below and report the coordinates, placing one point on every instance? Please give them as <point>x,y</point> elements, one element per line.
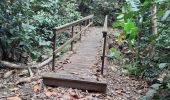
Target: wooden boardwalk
<point>79,73</point>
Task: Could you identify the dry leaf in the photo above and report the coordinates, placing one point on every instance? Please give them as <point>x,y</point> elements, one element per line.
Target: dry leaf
<point>14,89</point>
<point>9,73</point>
<point>49,93</point>
<point>119,92</point>
<point>67,96</point>
<point>23,80</point>
<point>23,72</point>
<point>37,88</point>
<point>73,94</point>
<point>14,98</point>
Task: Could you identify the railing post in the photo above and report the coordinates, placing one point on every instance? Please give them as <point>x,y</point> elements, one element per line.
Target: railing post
<point>104,51</point>
<point>80,33</point>
<point>104,45</point>
<point>54,48</point>
<point>72,34</point>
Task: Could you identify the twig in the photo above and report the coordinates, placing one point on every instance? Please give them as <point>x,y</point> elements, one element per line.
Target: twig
<point>30,71</point>
<point>14,66</point>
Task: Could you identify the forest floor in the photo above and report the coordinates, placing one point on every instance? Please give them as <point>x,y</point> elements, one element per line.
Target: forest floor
<point>19,86</point>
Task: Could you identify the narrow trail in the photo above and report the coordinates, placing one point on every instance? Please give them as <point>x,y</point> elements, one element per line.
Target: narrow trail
<point>84,59</point>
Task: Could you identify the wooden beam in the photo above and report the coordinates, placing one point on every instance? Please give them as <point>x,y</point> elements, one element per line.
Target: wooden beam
<point>47,61</point>
<point>4,64</point>
<point>62,28</point>
<point>74,81</point>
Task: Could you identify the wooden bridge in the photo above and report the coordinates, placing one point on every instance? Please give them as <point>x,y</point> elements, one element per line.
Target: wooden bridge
<point>79,73</point>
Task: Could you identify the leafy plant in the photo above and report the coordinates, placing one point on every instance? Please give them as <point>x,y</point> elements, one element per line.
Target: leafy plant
<point>151,49</point>
<point>100,8</point>
<point>26,26</point>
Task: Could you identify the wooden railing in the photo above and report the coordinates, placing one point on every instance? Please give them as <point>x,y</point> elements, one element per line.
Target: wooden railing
<point>105,31</point>
<point>87,20</point>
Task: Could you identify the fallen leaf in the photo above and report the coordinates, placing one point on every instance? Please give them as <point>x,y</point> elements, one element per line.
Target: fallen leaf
<point>67,96</point>
<point>119,92</point>
<point>88,97</point>
<point>49,93</point>
<point>23,72</point>
<point>23,80</point>
<point>73,94</point>
<point>65,62</point>
<point>14,89</point>
<point>37,88</point>
<point>14,98</point>
<point>9,73</point>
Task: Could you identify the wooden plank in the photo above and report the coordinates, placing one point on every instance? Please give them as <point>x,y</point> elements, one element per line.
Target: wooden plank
<point>74,81</point>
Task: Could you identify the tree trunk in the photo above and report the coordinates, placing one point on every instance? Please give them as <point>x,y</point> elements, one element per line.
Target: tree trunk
<point>154,19</point>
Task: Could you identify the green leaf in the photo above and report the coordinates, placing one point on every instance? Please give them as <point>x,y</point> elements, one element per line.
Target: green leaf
<point>35,55</point>
<point>130,29</point>
<point>28,28</point>
<point>150,94</point>
<point>162,65</point>
<point>114,53</point>
<point>156,86</point>
<point>44,43</point>
<point>168,85</point>
<point>129,25</point>
<point>120,16</point>
<point>118,24</point>
<point>166,79</point>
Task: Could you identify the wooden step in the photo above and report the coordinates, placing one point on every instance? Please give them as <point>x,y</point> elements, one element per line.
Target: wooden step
<point>74,81</point>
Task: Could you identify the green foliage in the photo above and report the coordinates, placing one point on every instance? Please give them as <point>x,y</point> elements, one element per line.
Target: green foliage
<point>129,28</point>
<point>26,25</point>
<point>100,8</point>
<point>133,69</point>
<point>152,91</point>
<point>137,29</point>
<point>114,54</point>
<point>151,50</point>
<point>159,91</point>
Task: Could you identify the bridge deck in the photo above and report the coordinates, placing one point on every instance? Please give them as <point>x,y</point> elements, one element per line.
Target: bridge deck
<point>80,72</point>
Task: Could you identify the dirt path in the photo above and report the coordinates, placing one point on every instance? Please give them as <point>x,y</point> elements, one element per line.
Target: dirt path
<point>120,87</point>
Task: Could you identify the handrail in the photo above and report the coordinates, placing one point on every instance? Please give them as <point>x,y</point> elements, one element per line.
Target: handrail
<point>65,26</point>
<point>105,31</point>
<point>70,41</point>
